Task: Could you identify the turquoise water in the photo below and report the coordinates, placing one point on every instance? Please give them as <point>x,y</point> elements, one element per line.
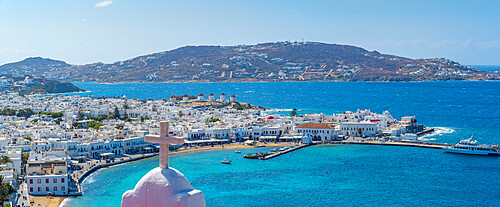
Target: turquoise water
<point>357,175</point>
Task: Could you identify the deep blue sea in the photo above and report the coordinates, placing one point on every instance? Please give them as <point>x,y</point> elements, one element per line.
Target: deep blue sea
<point>486,67</point>
<point>357,175</point>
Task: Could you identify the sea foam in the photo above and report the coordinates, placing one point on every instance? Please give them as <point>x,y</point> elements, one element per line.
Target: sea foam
<point>438,131</point>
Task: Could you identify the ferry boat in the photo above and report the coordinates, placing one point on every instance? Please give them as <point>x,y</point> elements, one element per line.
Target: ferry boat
<point>468,146</point>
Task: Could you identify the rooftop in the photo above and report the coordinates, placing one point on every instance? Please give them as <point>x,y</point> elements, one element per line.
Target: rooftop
<point>314,126</point>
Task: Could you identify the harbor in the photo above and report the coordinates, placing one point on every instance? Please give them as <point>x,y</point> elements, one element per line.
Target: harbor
<point>84,146</point>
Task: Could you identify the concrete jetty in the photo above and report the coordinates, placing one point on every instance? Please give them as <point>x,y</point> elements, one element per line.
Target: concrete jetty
<point>426,131</point>
<point>285,151</point>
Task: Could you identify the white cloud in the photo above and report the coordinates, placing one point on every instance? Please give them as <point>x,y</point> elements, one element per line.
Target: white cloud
<point>489,44</point>
<point>103,4</point>
<point>83,20</point>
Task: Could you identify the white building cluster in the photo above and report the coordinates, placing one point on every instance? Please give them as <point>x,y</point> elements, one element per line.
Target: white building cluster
<point>55,133</point>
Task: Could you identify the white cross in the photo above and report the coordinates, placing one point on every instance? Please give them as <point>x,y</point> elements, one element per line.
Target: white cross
<point>163,140</point>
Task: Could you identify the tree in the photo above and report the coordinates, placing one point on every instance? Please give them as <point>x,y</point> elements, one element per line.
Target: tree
<point>81,116</point>
<point>8,112</point>
<point>25,113</point>
<point>116,113</point>
<point>102,117</point>
<point>294,112</point>
<point>5,159</point>
<point>94,124</point>
<point>5,191</point>
<point>25,157</point>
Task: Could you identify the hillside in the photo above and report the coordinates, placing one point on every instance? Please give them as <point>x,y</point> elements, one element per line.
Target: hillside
<point>29,84</point>
<point>281,61</point>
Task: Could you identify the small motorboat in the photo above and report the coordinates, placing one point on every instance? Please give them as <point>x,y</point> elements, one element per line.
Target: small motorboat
<point>237,152</point>
<point>251,156</point>
<point>225,161</point>
<point>274,150</point>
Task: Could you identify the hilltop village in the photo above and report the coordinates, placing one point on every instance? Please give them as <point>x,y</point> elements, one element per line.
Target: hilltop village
<point>49,143</point>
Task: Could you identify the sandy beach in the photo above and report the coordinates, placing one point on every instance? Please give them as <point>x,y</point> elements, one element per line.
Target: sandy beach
<point>51,201</point>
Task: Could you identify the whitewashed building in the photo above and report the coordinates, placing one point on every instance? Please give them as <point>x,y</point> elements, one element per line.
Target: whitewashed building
<point>318,131</point>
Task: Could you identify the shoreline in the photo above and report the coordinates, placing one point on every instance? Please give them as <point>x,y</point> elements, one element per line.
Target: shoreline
<point>283,81</point>
<point>418,144</point>
<point>50,201</point>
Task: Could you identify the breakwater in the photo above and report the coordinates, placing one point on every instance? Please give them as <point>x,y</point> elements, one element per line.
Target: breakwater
<point>284,151</point>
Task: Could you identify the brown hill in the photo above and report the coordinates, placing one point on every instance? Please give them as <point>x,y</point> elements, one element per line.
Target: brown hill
<point>280,61</point>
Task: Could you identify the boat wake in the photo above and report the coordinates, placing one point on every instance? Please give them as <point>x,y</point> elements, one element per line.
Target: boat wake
<point>438,131</point>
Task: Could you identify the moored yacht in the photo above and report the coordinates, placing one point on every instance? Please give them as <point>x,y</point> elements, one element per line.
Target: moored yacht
<point>468,146</point>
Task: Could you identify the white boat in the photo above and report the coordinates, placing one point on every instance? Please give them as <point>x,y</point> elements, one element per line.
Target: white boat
<point>225,161</point>
<point>468,146</point>
<point>237,152</point>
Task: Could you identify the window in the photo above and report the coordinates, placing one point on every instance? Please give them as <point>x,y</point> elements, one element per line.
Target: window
<point>55,188</point>
<point>31,181</point>
<point>31,189</point>
<point>47,189</point>
<point>55,180</point>
<point>62,180</point>
<point>63,188</point>
<point>39,181</point>
<point>39,189</point>
<point>47,180</point>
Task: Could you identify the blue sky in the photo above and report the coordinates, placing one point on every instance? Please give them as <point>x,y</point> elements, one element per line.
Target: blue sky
<point>85,31</point>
